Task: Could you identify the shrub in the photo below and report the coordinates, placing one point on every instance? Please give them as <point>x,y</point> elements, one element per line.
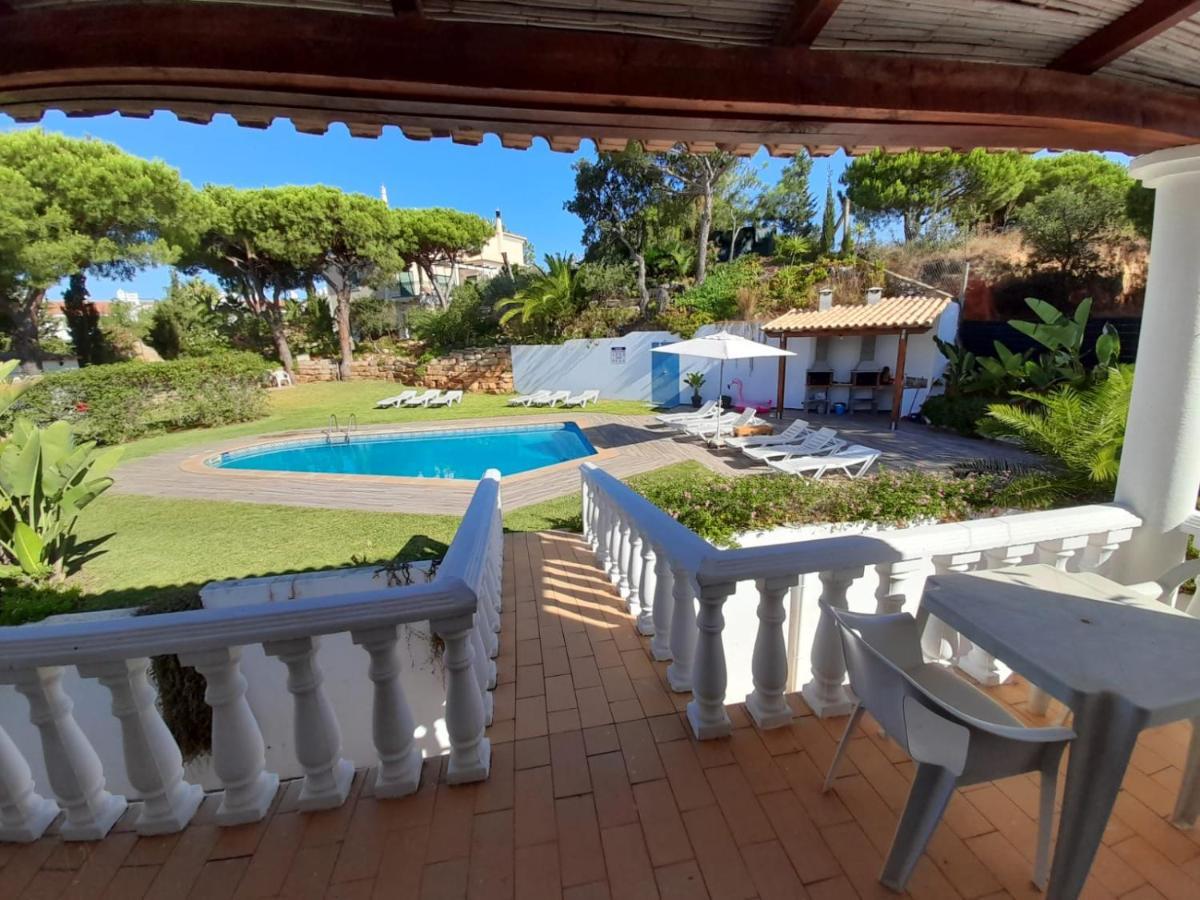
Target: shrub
<point>717,297</point>
<point>466,322</point>
<point>120,402</point>
<point>961,413</point>
<point>596,321</point>
<point>22,602</point>
<point>682,321</point>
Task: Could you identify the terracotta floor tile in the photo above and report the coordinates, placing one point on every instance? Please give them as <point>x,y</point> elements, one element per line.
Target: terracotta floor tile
<point>687,778</point>
<point>641,753</point>
<point>593,707</point>
<point>724,872</point>
<point>666,728</point>
<point>626,710</point>
<point>219,879</point>
<point>601,739</point>
<point>756,763</point>
<point>805,781</point>
<point>529,651</point>
<point>666,838</point>
<point>531,717</point>
<point>537,876</point>
<point>800,838</point>
<point>47,884</point>
<point>101,867</point>
<point>491,872</point>
<point>179,872</point>
<point>858,858</point>
<point>608,655</point>
<point>738,804</point>
<point>629,872</point>
<point>611,789</point>
<point>584,672</point>
<point>151,850</point>
<point>617,685</point>
<point>596,890</point>
<point>351,890</point>
<point>555,661</point>
<point>681,881</point>
<point>531,682</point>
<point>445,880</point>
<point>560,693</point>
<point>568,762</point>
<point>450,831</point>
<point>563,720</point>
<point>130,883</point>
<point>311,869</point>
<point>771,872</point>
<point>1169,880</point>
<point>1006,863</point>
<point>840,888</point>
<point>653,699</point>
<point>581,857</point>
<point>534,821</point>
<point>532,752</point>
<point>578,645</point>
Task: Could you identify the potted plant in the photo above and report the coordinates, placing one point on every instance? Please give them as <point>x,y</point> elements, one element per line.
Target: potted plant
<point>694,380</point>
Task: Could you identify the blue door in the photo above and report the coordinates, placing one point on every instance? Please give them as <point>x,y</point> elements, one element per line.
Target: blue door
<point>664,377</point>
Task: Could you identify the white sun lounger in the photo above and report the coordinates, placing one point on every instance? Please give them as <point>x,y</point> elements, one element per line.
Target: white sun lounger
<point>526,399</point>
<point>398,400</point>
<point>726,422</point>
<point>552,400</point>
<point>852,461</point>
<point>790,435</point>
<point>823,440</point>
<point>423,399</point>
<point>447,399</point>
<point>694,416</point>
<point>583,398</point>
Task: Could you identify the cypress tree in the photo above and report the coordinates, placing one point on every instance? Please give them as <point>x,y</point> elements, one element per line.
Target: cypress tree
<point>828,222</point>
<point>83,321</point>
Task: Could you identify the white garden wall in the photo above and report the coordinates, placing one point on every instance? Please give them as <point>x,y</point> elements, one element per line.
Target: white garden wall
<point>619,368</point>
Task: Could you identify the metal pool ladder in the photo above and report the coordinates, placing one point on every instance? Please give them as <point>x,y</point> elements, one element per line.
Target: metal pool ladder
<point>332,428</point>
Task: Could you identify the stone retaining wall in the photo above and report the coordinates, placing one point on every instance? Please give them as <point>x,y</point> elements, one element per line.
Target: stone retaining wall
<point>485,370</point>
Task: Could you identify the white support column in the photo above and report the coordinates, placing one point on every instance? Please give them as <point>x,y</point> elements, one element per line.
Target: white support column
<point>76,775</point>
<point>153,762</point>
<point>769,664</point>
<point>710,679</point>
<point>24,814</point>
<point>647,587</point>
<point>683,631</point>
<point>315,730</point>
<point>470,751</point>
<point>826,694</point>
<point>391,720</point>
<point>238,753</point>
<point>664,605</point>
<point>1160,463</point>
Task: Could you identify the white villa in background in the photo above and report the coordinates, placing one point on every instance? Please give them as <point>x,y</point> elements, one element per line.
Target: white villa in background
<point>56,312</point>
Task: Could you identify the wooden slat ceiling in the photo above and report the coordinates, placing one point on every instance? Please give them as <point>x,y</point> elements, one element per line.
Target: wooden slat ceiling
<point>740,74</point>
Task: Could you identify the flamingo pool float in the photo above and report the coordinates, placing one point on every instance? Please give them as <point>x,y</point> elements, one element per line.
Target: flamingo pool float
<point>742,404</point>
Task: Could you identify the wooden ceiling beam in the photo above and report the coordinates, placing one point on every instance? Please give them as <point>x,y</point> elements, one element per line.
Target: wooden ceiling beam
<point>1147,20</point>
<point>439,78</point>
<point>401,7</point>
<point>805,21</point>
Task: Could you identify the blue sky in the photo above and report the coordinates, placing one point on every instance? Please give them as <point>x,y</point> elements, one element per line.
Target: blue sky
<point>528,186</point>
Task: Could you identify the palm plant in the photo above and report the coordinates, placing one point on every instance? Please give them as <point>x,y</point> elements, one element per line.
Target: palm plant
<point>550,298</point>
<point>1080,430</point>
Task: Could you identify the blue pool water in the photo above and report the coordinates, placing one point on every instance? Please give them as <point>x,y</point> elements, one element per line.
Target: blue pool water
<point>466,453</point>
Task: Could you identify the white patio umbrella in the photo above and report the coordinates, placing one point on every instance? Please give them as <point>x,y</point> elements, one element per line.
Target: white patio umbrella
<point>722,346</point>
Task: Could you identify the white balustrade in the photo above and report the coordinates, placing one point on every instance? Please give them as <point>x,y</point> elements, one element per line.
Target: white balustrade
<point>766,703</point>
<point>392,725</point>
<point>462,605</point>
<point>152,758</point>
<point>24,813</point>
<point>74,769</point>
<point>676,569</point>
<point>318,739</point>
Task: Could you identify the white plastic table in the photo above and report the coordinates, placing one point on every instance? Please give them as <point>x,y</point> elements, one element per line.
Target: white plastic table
<point>1121,665</point>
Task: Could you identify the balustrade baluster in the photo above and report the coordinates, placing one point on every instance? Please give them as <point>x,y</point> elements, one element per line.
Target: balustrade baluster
<point>615,545</point>
<point>897,580</point>
<point>391,720</point>
<point>487,621</point>
<point>683,631</point>
<point>153,762</point>
<point>315,731</point>
<point>24,813</point>
<point>769,665</point>
<point>75,773</point>
<point>484,670</point>
<point>633,597</point>
<point>623,559</point>
<point>603,533</point>
<point>706,712</point>
<point>939,641</point>
<point>470,751</point>
<point>664,605</point>
<point>825,693</point>
<point>585,508</point>
<point>1060,554</point>
<point>974,660</point>
<point>647,596</point>
<point>1101,547</point>
<point>238,753</point>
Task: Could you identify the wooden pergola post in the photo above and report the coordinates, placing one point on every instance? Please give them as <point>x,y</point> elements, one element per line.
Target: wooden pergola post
<point>782,389</point>
<point>898,388</point>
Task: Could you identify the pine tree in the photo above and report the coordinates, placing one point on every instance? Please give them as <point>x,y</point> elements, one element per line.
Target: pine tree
<point>83,321</point>
<point>828,222</point>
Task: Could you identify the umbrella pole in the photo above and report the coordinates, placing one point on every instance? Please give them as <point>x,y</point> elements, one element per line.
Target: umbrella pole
<point>720,400</point>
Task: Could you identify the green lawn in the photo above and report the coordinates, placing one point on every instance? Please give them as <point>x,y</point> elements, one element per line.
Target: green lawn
<point>310,405</point>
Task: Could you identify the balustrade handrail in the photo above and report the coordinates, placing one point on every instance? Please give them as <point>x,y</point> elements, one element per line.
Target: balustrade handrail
<point>450,594</point>
<point>1191,525</point>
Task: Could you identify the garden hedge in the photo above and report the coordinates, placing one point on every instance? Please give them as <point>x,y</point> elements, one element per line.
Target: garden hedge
<point>115,403</point>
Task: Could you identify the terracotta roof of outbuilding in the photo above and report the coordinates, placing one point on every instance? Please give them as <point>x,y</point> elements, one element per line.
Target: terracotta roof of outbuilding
<point>891,314</point>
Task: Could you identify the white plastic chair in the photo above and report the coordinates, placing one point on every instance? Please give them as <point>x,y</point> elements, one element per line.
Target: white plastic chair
<point>526,399</point>
<point>852,461</point>
<point>280,378</point>
<point>423,399</point>
<point>447,399</point>
<point>955,733</point>
<point>823,440</point>
<point>796,431</point>
<point>398,400</point>
<point>693,416</point>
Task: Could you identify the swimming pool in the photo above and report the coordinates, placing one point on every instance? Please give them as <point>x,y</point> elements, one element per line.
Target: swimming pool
<point>462,453</point>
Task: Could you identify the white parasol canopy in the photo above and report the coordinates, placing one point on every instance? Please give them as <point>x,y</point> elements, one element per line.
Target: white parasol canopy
<point>722,346</point>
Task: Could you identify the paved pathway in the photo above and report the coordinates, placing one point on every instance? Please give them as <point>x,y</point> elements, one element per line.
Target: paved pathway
<point>638,444</point>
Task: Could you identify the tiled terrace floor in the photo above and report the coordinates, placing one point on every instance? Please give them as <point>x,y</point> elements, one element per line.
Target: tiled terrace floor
<point>598,791</point>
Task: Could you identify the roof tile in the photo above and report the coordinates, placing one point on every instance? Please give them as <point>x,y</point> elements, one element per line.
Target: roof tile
<point>890,313</point>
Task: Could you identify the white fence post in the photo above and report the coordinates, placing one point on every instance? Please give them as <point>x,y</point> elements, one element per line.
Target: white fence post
<point>153,762</point>
<point>238,754</point>
<point>939,641</point>
<point>391,720</point>
<point>317,737</point>
<point>75,773</point>
<point>769,665</point>
<point>826,694</point>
